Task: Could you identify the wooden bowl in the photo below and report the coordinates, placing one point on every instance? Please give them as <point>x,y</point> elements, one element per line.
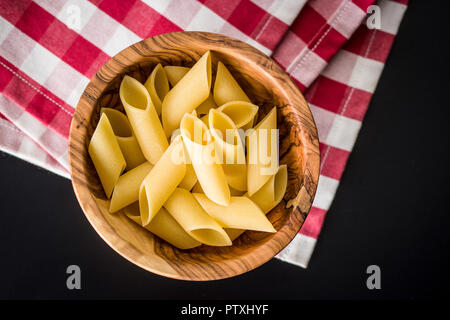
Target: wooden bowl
<point>267,85</point>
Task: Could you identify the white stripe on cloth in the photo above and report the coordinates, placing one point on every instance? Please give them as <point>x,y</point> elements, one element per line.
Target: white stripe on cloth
<point>13,141</point>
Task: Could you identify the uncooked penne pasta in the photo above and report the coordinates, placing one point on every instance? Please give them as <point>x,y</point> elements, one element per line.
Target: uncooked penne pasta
<point>106,155</point>
<point>127,187</point>
<point>157,86</point>
<point>241,112</point>
<point>125,137</point>
<point>195,221</point>
<point>143,119</point>
<point>241,213</point>
<point>175,73</point>
<point>201,150</point>
<point>229,149</point>
<point>187,94</point>
<point>270,194</point>
<point>190,179</point>
<point>262,152</point>
<point>167,228</point>
<point>206,106</point>
<point>161,181</point>
<point>226,88</point>
<point>234,233</point>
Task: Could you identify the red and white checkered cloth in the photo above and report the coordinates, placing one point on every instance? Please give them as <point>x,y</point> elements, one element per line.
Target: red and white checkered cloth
<point>50,49</point>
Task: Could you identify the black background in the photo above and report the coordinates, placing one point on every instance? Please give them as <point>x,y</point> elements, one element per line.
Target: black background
<point>391,208</point>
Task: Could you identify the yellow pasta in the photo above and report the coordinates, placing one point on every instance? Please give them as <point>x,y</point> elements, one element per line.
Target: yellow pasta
<point>125,137</point>
<point>204,187</point>
<point>229,148</point>
<point>167,228</point>
<point>270,194</point>
<point>262,152</point>
<point>241,213</point>
<point>127,187</point>
<point>157,86</point>
<point>143,119</point>
<point>242,113</point>
<point>162,180</point>
<point>226,88</point>
<point>195,221</point>
<point>190,179</point>
<point>106,155</point>
<point>234,233</point>
<point>201,151</point>
<point>206,106</point>
<point>187,94</point>
<point>175,73</point>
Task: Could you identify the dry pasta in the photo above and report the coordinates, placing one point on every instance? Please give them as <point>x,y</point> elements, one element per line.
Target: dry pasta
<point>226,88</point>
<point>143,119</point>
<point>157,86</point>
<point>195,221</point>
<point>187,94</point>
<point>125,137</point>
<point>106,155</point>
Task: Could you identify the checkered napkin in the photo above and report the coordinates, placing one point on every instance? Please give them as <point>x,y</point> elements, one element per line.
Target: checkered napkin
<point>50,49</point>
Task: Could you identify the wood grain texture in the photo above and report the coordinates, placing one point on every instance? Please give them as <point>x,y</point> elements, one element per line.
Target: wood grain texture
<point>267,85</point>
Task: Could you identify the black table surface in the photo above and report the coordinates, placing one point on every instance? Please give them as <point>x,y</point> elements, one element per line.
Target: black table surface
<point>390,209</point>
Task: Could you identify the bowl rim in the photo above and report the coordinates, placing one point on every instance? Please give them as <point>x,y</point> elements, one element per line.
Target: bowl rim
<point>308,136</point>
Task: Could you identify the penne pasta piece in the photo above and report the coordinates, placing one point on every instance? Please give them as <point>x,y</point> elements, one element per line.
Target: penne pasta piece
<point>262,152</point>
<point>175,73</point>
<point>226,88</point>
<point>157,86</point>
<point>194,220</point>
<point>143,119</point>
<point>125,137</point>
<point>127,187</point>
<point>206,106</point>
<point>234,233</point>
<point>270,194</point>
<point>187,94</point>
<point>241,213</point>
<point>274,189</point>
<point>190,179</point>
<point>106,155</point>
<point>230,149</point>
<point>201,150</point>
<point>161,181</point>
<point>242,113</point>
<point>167,228</point>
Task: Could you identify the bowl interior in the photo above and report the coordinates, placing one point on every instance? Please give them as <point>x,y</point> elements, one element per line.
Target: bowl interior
<point>266,85</point>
